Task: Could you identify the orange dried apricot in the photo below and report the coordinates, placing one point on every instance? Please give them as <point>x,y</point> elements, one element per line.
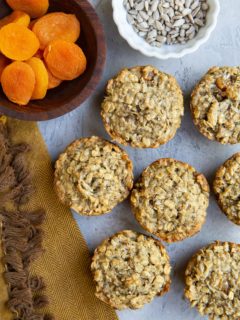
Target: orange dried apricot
<point>65,60</point>
<point>56,26</point>
<point>53,82</point>
<point>18,42</point>
<point>41,76</point>
<point>18,17</point>
<point>3,63</point>
<point>35,8</point>
<point>18,82</point>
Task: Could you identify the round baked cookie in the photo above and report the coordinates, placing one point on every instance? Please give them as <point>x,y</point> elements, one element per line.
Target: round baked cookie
<point>93,175</point>
<point>170,200</point>
<point>213,281</point>
<point>226,186</point>
<point>215,105</point>
<point>143,107</point>
<point>130,269</point>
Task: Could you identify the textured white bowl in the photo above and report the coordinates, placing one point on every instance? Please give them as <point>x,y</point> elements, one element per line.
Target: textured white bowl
<point>166,51</point>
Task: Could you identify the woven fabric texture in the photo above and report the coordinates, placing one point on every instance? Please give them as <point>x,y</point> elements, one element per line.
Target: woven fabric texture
<point>65,265</point>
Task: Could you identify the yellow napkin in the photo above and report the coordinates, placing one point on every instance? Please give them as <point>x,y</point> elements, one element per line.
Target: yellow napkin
<point>65,265</point>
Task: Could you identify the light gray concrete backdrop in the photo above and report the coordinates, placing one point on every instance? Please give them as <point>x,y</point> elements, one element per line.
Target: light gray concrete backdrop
<point>189,145</point>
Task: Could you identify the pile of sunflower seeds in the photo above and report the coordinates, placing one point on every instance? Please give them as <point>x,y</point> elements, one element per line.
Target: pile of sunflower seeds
<point>166,21</point>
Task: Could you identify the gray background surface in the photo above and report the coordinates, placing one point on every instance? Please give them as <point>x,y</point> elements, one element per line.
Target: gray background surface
<point>223,48</point>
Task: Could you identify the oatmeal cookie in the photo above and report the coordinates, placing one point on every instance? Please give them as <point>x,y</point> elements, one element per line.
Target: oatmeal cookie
<point>215,105</point>
<point>93,175</point>
<point>226,186</point>
<point>130,269</point>
<point>143,107</point>
<point>213,281</point>
<point>170,200</point>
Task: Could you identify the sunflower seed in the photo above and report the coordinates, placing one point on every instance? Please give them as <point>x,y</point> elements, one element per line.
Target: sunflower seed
<point>199,22</point>
<point>191,35</point>
<point>154,5</point>
<point>171,12</point>
<point>146,5</point>
<point>190,17</point>
<point>131,3</point>
<point>205,6</point>
<point>133,12</point>
<point>144,25</point>
<point>156,15</point>
<point>139,18</point>
<point>179,23</point>
<point>166,5</point>
<point>188,3</point>
<point>161,39</point>
<point>130,19</point>
<point>166,17</point>
<point>152,34</point>
<point>151,21</point>
<point>159,26</point>
<point>190,30</point>
<point>144,15</point>
<point>195,5</point>
<point>186,11</point>
<point>139,6</point>
<point>195,12</point>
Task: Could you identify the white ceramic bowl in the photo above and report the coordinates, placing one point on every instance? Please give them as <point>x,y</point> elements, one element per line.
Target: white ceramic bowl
<point>166,51</point>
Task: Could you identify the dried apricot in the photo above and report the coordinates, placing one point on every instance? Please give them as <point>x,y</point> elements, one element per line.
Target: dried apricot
<point>53,82</point>
<point>41,76</point>
<point>35,8</point>
<point>3,63</point>
<point>18,42</point>
<point>65,60</point>
<point>18,17</point>
<point>56,26</point>
<point>18,82</point>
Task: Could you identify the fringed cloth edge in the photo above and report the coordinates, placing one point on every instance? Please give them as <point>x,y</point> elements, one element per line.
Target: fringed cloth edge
<point>21,233</point>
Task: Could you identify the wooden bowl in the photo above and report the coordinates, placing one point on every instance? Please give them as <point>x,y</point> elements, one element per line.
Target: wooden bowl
<point>70,94</point>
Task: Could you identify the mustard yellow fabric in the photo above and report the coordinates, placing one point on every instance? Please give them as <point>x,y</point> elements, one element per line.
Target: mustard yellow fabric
<point>65,265</point>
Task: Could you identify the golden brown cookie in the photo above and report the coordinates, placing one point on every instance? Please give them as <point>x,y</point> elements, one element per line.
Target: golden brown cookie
<point>213,281</point>
<point>170,200</point>
<point>130,269</point>
<point>215,105</point>
<point>93,175</point>
<point>143,107</point>
<point>226,186</point>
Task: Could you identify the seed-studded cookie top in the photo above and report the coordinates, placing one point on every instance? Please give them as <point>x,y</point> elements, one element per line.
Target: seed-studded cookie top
<point>213,281</point>
<point>170,200</point>
<point>227,188</point>
<point>130,269</point>
<point>143,107</point>
<point>93,175</point>
<point>216,105</point>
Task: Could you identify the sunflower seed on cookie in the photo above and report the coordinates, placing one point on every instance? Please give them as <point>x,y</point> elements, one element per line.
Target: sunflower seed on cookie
<point>143,107</point>
<point>92,176</point>
<point>130,269</point>
<point>213,281</point>
<point>170,200</point>
<point>226,186</point>
<point>215,105</point>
